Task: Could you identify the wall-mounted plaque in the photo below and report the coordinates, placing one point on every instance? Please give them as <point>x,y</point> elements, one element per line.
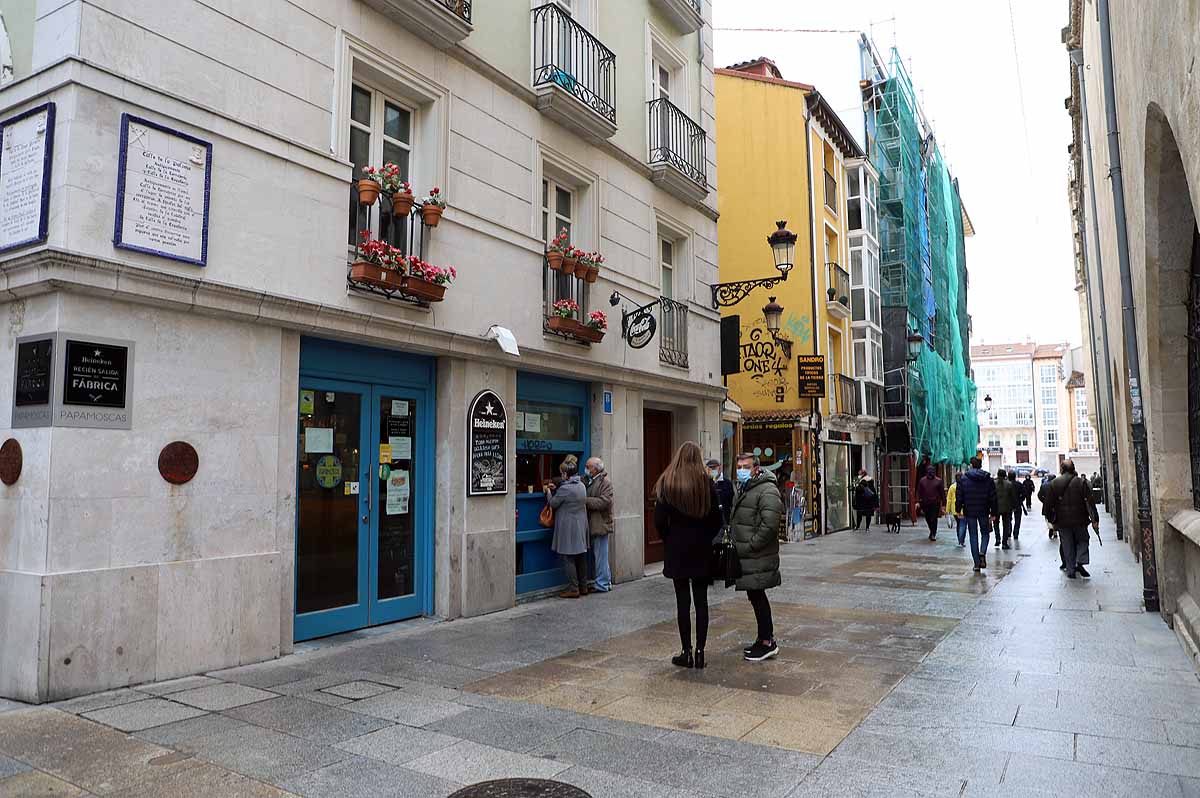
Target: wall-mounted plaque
<point>93,386</point>
<point>178,462</point>
<point>163,180</point>
<point>11,461</point>
<point>487,446</point>
<point>26,151</point>
<point>810,370</point>
<point>33,381</point>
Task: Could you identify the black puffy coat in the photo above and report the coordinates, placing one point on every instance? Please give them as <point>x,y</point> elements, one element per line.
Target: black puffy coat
<point>866,496</point>
<point>688,540</point>
<point>976,494</point>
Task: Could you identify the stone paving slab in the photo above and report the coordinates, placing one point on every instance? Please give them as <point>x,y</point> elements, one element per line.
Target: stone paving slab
<point>35,784</point>
<point>357,689</point>
<point>225,695</point>
<point>262,754</point>
<point>299,718</point>
<point>140,715</point>
<point>467,763</point>
<point>369,777</point>
<point>176,685</point>
<point>11,767</point>
<point>399,744</point>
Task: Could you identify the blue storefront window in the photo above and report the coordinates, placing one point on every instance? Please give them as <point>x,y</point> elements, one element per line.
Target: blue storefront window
<point>551,422</point>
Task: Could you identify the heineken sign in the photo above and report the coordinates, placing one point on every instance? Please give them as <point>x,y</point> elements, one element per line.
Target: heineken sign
<point>487,446</point>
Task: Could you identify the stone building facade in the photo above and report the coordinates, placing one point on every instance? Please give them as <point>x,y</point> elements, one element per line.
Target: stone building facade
<point>330,423</point>
<point>1151,111</point>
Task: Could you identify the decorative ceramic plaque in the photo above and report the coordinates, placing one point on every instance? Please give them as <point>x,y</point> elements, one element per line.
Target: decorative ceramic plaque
<point>26,151</point>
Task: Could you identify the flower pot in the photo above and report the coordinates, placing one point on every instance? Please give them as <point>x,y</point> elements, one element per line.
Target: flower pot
<point>554,260</point>
<point>432,214</point>
<point>569,264</point>
<point>590,334</point>
<point>845,300</point>
<point>593,274</point>
<point>374,274</point>
<point>402,204</point>
<point>368,191</point>
<point>831,292</point>
<point>423,289</point>
<point>564,325</point>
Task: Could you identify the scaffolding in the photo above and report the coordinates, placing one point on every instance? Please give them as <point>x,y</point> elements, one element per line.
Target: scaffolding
<point>922,269</point>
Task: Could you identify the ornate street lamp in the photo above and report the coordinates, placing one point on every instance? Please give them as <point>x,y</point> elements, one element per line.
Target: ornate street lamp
<point>773,313</point>
<point>783,252</point>
<point>915,342</point>
<point>987,403</point>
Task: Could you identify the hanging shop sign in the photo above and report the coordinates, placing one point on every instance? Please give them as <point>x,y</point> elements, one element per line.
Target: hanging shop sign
<point>26,153</point>
<point>163,182</point>
<point>639,327</point>
<point>33,382</point>
<point>810,372</point>
<point>93,386</point>
<point>487,446</point>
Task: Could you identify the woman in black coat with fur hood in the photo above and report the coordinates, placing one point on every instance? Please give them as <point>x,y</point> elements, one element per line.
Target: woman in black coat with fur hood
<point>687,515</point>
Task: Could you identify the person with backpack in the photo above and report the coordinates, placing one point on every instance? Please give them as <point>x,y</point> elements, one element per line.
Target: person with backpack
<point>1069,505</point>
<point>866,499</point>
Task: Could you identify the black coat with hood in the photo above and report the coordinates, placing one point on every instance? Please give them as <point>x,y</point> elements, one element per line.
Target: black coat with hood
<point>976,494</point>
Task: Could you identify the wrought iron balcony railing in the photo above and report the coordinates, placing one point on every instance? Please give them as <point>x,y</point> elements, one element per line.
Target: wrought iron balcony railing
<point>567,56</point>
<point>843,395</point>
<point>839,284</point>
<point>460,8</point>
<point>676,140</point>
<point>673,343</point>
<point>830,192</point>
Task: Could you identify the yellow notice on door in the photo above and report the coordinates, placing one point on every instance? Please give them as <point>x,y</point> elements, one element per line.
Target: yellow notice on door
<point>306,402</point>
<point>385,453</point>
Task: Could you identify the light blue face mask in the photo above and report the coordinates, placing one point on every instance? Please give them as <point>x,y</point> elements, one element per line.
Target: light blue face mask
<point>743,475</point>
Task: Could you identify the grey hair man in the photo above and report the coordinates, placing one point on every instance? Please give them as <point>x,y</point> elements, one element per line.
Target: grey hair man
<point>600,519</point>
<point>1069,505</point>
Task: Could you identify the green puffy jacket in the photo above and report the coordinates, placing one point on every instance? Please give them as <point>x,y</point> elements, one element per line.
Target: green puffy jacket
<point>757,511</point>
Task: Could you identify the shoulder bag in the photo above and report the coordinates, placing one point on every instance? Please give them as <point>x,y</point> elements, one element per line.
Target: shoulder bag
<point>725,562</point>
<point>546,517</point>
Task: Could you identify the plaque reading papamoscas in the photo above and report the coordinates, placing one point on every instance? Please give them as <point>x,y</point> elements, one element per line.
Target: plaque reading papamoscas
<point>487,447</point>
<point>163,183</point>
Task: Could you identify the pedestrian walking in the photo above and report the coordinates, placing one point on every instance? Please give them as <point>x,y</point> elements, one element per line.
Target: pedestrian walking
<point>1069,505</point>
<point>687,514</point>
<point>570,541</point>
<point>976,501</point>
<point>599,503</point>
<point>960,522</point>
<point>931,495</point>
<point>757,510</point>
<point>1006,503</point>
<point>866,499</point>
<point>1051,532</point>
<point>724,487</point>
<point>1028,490</point>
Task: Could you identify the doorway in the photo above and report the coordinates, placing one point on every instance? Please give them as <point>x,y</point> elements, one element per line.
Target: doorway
<point>364,534</point>
<point>656,448</point>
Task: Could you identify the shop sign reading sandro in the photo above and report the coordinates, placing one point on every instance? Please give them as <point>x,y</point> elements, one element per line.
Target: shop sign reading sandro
<point>487,446</point>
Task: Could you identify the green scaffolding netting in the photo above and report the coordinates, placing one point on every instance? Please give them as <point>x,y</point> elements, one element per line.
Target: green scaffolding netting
<point>923,268</point>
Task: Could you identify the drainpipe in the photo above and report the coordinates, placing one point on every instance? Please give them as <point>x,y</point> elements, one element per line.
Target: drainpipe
<point>1141,449</point>
<point>814,430</point>
<point>1108,460</point>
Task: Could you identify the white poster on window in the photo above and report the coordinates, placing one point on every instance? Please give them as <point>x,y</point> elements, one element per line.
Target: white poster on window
<point>533,423</point>
<point>396,499</point>
<point>401,447</point>
<point>318,440</point>
<point>520,421</point>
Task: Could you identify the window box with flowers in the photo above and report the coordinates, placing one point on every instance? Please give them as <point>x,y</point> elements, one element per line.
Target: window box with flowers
<point>379,264</point>
<point>562,318</point>
<point>425,281</point>
<point>594,328</point>
<point>432,207</point>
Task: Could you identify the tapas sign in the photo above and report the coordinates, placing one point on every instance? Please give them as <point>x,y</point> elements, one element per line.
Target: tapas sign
<point>810,371</point>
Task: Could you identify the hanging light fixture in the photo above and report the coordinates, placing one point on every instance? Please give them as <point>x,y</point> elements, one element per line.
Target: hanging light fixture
<point>987,403</point>
<point>783,248</point>
<point>915,342</point>
<point>773,313</point>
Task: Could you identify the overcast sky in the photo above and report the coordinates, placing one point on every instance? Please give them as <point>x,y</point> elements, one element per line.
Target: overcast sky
<point>1011,165</point>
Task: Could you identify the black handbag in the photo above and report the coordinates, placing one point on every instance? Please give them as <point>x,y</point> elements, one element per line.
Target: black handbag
<point>726,564</point>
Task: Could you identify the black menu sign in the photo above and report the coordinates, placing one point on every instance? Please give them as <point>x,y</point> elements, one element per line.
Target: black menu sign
<point>33,382</point>
<point>487,447</point>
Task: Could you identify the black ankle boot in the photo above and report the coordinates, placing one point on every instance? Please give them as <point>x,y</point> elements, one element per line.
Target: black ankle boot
<point>684,659</point>
<point>699,659</point>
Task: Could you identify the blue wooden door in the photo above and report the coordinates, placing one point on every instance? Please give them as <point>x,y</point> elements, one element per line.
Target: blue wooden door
<point>332,508</point>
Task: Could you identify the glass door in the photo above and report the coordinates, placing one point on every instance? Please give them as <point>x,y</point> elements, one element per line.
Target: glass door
<point>397,584</point>
<point>333,509</point>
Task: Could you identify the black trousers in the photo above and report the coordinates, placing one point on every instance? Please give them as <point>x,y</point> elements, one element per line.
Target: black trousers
<point>576,566</point>
<point>863,515</point>
<point>932,513</point>
<point>683,600</point>
<point>762,613</point>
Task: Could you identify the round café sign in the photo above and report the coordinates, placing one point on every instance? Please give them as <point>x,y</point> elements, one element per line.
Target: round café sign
<point>641,329</point>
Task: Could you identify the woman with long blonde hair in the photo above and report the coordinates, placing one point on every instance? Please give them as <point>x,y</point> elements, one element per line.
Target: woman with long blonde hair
<point>687,514</point>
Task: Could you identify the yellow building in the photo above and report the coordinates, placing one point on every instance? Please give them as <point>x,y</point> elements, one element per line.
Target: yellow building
<point>786,156</point>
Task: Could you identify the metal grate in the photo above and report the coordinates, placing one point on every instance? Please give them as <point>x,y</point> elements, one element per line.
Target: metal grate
<point>676,140</point>
<point>460,8</point>
<point>567,56</point>
<point>673,343</point>
<point>521,788</point>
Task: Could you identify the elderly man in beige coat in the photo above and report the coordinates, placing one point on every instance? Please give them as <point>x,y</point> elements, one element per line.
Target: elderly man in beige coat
<point>600,520</point>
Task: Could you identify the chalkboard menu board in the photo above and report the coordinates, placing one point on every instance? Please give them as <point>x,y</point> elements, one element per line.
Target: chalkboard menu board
<point>163,182</point>
<point>33,382</point>
<point>487,448</point>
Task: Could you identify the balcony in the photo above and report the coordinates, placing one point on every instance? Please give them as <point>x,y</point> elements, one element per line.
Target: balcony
<point>684,14</point>
<point>573,75</point>
<point>843,396</point>
<point>673,333</point>
<point>830,192</point>
<point>442,23</point>
<point>838,292</point>
<point>677,154</point>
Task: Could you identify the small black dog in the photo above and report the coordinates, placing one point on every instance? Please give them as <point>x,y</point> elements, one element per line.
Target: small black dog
<point>893,522</point>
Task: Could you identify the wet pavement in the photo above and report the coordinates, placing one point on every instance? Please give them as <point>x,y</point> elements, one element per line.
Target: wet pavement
<point>902,673</point>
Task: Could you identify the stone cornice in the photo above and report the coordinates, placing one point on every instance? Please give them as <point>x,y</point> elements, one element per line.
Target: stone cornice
<point>45,270</point>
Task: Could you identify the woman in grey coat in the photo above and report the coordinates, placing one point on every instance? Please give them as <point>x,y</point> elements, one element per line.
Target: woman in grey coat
<point>570,541</point>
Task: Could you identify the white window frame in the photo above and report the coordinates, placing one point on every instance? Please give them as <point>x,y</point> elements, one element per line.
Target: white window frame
<point>665,266</point>
<point>1047,433</point>
<point>380,99</point>
<point>552,280</point>
<point>661,52</point>
<point>682,250</point>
